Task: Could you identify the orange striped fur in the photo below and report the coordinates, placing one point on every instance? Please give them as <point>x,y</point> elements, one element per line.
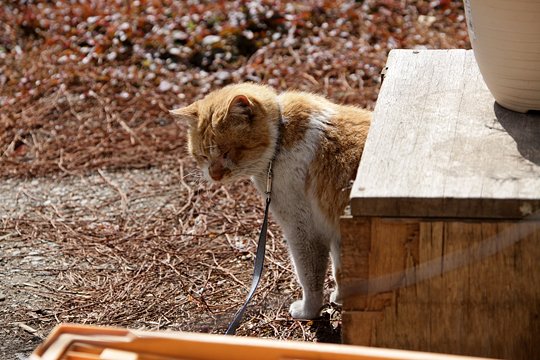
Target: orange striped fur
<point>235,132</point>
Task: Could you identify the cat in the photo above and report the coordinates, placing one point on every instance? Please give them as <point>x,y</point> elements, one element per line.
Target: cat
<point>236,131</point>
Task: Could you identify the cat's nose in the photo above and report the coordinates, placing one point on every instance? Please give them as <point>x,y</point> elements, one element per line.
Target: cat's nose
<point>216,171</point>
<point>216,175</point>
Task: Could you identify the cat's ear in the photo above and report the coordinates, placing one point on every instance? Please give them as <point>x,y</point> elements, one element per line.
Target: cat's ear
<point>188,113</point>
<point>241,105</point>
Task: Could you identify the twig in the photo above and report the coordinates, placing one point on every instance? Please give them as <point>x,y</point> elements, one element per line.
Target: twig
<point>118,189</point>
<point>30,330</point>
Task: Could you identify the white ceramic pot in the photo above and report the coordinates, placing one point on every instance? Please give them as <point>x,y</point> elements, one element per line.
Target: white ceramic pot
<point>505,36</point>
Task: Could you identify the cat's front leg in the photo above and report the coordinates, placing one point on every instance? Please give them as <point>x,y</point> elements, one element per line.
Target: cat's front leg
<point>310,259</point>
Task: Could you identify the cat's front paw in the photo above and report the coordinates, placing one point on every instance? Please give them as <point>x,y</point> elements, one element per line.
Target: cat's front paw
<point>299,310</point>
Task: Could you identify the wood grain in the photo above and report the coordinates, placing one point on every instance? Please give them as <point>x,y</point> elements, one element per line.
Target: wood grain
<point>457,287</point>
<point>356,239</point>
<point>439,145</point>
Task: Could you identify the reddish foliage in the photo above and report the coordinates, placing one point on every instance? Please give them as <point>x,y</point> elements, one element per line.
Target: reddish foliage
<point>87,85</point>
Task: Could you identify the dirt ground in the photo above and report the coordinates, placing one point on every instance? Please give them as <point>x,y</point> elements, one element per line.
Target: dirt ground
<point>111,248</point>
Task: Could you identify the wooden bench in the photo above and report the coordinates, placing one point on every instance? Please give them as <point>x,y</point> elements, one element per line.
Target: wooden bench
<point>441,245</point>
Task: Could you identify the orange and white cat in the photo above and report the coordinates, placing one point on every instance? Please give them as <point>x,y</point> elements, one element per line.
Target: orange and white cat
<point>236,131</point>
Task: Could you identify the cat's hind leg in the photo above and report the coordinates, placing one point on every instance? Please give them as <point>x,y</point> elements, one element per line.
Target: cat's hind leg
<point>335,254</point>
<point>310,260</point>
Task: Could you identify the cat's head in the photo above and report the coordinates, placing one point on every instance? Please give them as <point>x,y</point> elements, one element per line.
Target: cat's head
<point>232,131</point>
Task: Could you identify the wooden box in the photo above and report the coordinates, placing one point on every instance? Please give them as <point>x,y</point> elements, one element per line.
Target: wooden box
<point>441,248</point>
<point>83,342</point>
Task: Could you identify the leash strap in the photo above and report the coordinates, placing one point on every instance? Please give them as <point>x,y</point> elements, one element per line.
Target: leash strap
<point>257,272</point>
<point>261,246</point>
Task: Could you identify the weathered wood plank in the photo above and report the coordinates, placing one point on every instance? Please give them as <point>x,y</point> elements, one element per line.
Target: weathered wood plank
<point>356,238</point>
<point>439,145</point>
<point>457,287</point>
<point>359,335</point>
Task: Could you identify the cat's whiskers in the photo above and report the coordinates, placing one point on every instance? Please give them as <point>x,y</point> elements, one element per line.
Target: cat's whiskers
<point>204,181</point>
<point>193,173</point>
<point>195,176</point>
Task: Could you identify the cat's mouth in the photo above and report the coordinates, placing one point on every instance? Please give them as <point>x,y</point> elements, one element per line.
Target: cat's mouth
<point>217,170</point>
<point>219,176</point>
<point>225,178</point>
<point>226,174</point>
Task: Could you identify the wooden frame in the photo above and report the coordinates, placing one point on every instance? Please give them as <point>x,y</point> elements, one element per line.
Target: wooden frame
<point>78,342</point>
<point>457,287</point>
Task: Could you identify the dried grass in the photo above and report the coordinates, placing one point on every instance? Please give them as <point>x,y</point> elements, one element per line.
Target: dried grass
<point>158,252</point>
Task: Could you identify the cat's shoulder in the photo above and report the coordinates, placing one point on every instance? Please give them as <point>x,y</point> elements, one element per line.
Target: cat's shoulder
<point>302,106</point>
<point>303,99</point>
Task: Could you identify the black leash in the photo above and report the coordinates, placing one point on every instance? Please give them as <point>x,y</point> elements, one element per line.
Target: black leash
<point>257,272</point>
<point>259,259</point>
<point>261,246</point>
